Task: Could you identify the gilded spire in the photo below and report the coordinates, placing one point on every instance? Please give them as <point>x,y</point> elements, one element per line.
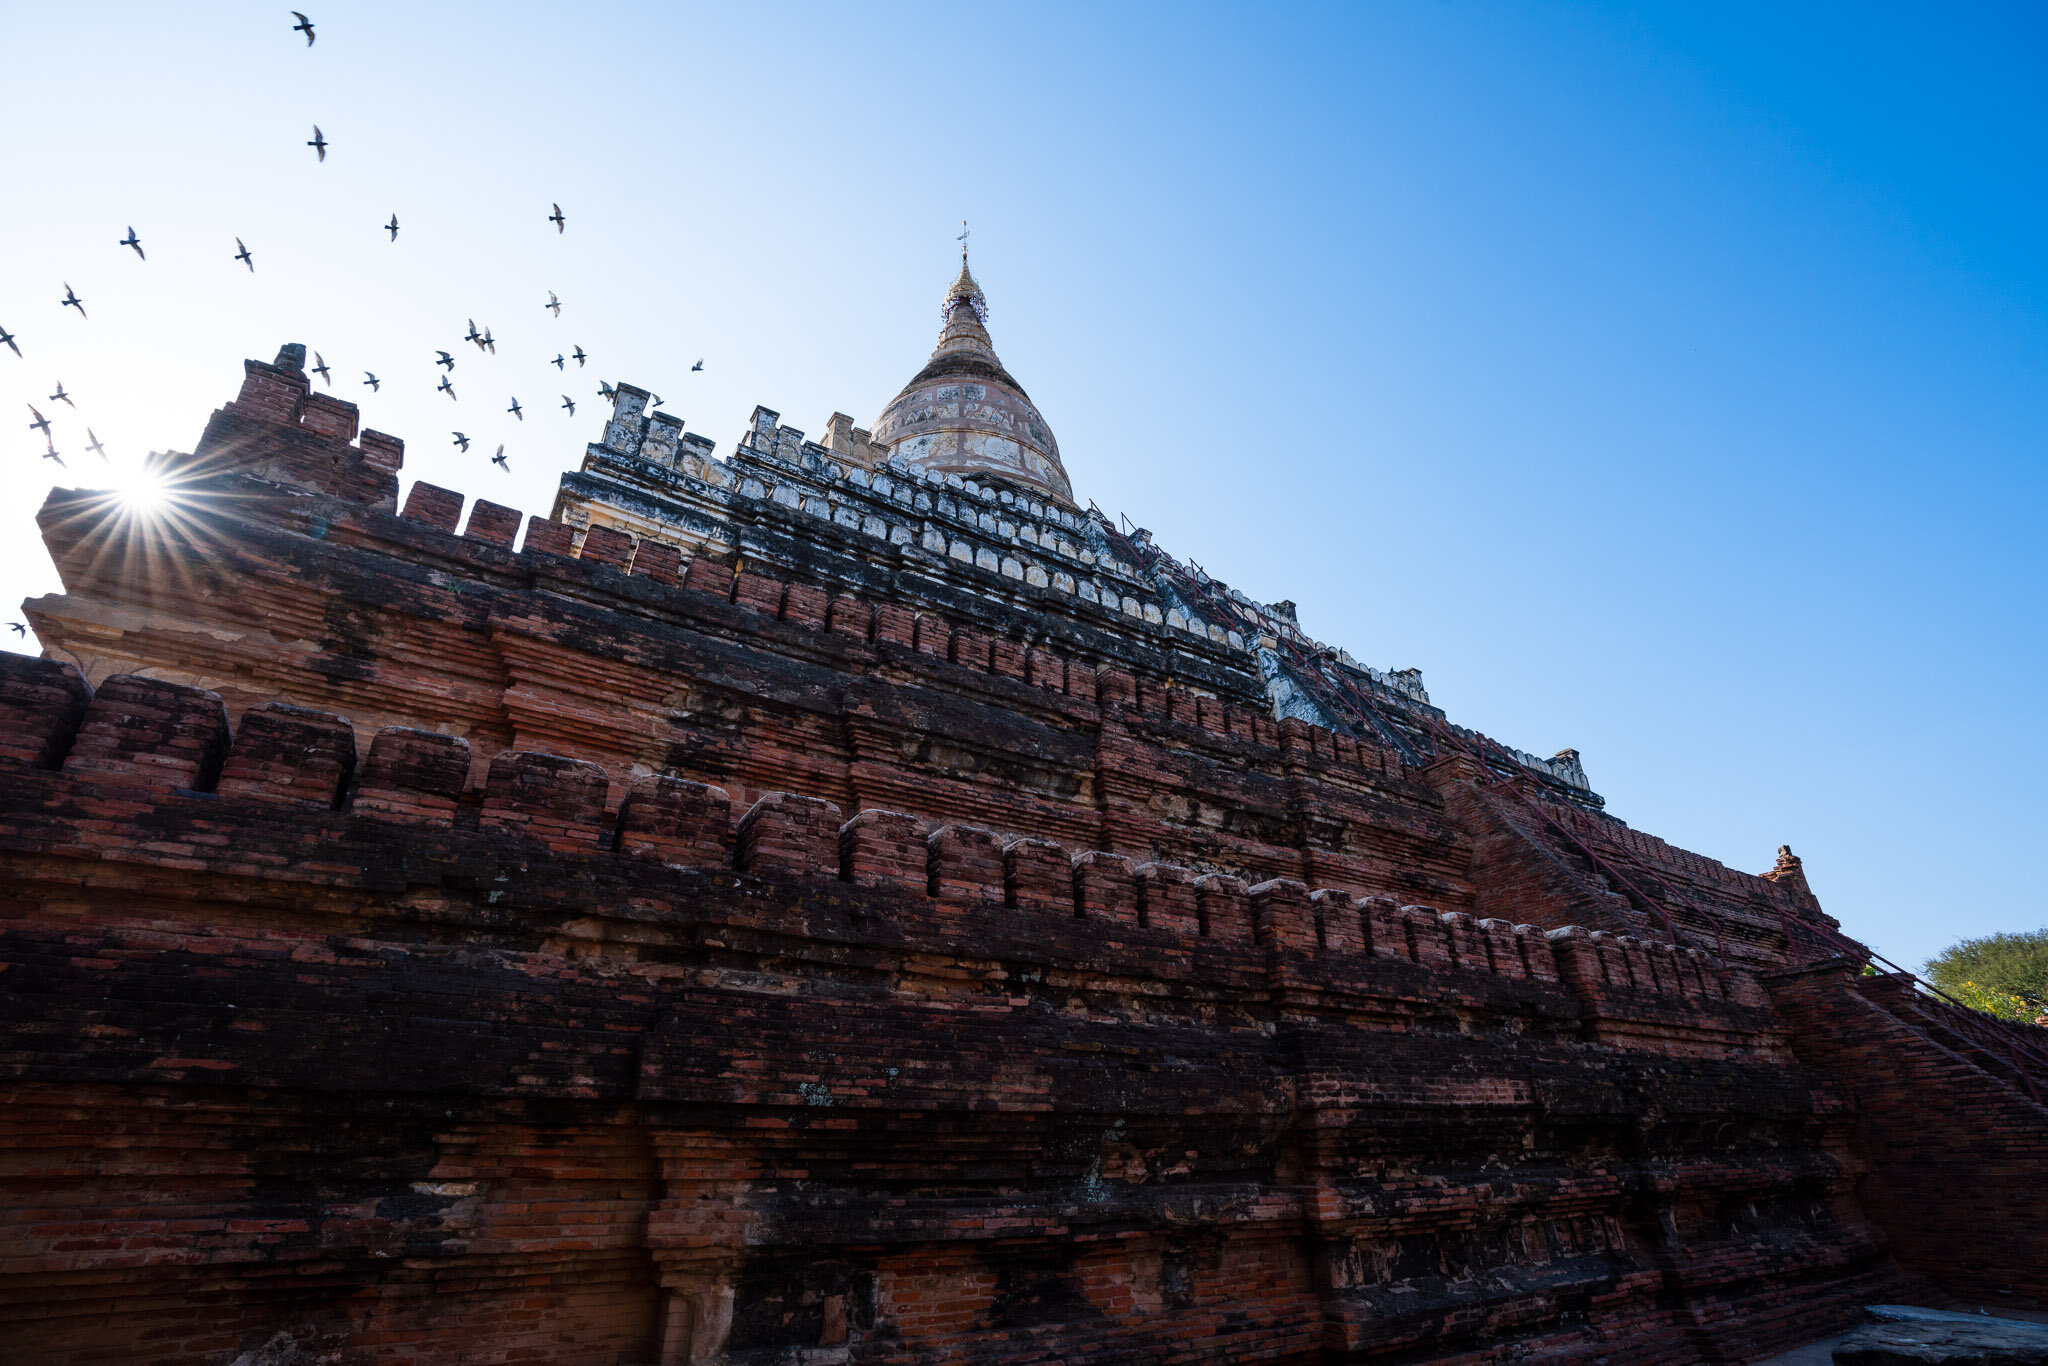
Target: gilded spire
<point>966,314</point>
<point>966,291</point>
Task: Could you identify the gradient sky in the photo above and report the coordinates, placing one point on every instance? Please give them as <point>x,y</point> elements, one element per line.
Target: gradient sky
<point>1665,382</point>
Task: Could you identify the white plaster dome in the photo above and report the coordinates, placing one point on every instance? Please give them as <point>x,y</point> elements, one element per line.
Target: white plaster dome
<point>963,413</point>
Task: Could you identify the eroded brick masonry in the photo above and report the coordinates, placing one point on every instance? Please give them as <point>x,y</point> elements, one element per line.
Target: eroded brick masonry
<point>845,902</point>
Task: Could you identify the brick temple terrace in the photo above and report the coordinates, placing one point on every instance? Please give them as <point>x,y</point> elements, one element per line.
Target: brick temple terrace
<point>850,901</point>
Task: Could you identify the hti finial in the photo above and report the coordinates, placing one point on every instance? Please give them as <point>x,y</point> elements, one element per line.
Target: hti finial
<point>962,239</point>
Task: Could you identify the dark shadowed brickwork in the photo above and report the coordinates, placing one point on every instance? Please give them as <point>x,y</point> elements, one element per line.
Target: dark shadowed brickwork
<point>768,933</point>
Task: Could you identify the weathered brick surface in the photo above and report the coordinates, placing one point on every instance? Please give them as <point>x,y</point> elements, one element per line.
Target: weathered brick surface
<point>413,774</point>
<point>41,704</point>
<point>884,849</point>
<point>556,801</point>
<point>871,1091</point>
<point>1105,888</point>
<point>654,560</point>
<point>492,524</point>
<point>785,832</point>
<point>438,507</point>
<point>290,756</point>
<point>676,821</point>
<point>1003,1026</point>
<point>965,865</point>
<point>1037,876</point>
<point>548,537</point>
<point>1956,1170</point>
<point>150,732</point>
<point>608,546</point>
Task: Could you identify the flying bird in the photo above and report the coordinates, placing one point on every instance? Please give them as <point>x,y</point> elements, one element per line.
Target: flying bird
<point>474,335</point>
<point>578,356</point>
<point>462,441</point>
<point>131,240</point>
<point>554,303</point>
<point>654,400</point>
<point>304,26</point>
<point>17,628</point>
<point>515,410</point>
<point>92,443</point>
<point>559,362</point>
<point>446,359</point>
<point>371,380</point>
<point>242,255</point>
<point>570,404</point>
<point>319,142</point>
<point>392,227</point>
<point>7,340</point>
<point>72,300</point>
<point>60,396</point>
<point>698,366</point>
<point>499,459</point>
<point>606,391</point>
<point>319,367</point>
<point>51,454</point>
<point>445,387</point>
<point>41,424</point>
<point>556,218</point>
<point>487,343</point>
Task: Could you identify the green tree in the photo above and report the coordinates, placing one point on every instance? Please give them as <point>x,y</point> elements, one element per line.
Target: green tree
<point>2000,974</point>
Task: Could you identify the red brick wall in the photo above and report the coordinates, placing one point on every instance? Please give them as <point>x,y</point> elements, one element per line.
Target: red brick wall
<point>1955,1162</point>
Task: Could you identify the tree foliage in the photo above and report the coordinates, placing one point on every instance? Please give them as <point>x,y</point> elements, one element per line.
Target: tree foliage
<point>2000,974</point>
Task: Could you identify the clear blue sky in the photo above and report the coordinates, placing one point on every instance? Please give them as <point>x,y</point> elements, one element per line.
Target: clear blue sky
<point>1664,381</point>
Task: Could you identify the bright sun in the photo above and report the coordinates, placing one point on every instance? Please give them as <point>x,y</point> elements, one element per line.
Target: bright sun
<point>142,491</point>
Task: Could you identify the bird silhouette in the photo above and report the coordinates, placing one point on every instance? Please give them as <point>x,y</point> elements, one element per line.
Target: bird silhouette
<point>7,340</point>
<point>698,366</point>
<point>474,335</point>
<point>461,440</point>
<point>319,367</point>
<point>554,304</point>
<point>654,400</point>
<point>319,142</point>
<point>556,218</point>
<point>570,404</point>
<point>446,359</point>
<point>445,387</point>
<point>488,343</point>
<point>72,300</point>
<point>41,424</point>
<point>242,255</point>
<point>17,628</point>
<point>371,380</point>
<point>60,396</point>
<point>51,454</point>
<point>578,356</point>
<point>606,391</point>
<point>499,459</point>
<point>304,26</point>
<point>392,227</point>
<point>92,443</point>
<point>559,363</point>
<point>131,240</point>
<point>516,411</point>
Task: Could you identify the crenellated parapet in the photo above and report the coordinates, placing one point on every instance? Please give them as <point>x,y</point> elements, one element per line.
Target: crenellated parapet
<point>144,743</point>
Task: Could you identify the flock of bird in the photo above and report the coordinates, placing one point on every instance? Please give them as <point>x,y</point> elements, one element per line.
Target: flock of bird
<point>482,339</point>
